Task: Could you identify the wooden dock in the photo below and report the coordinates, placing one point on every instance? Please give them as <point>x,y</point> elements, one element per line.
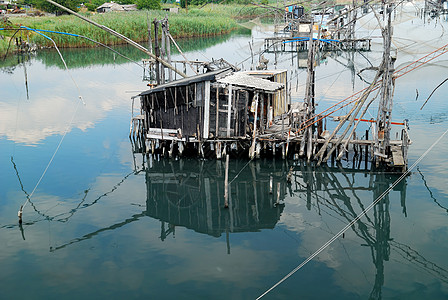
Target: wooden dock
<point>296,44</point>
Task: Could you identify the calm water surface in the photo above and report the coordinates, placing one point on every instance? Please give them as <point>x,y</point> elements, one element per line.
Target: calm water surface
<point>105,223</point>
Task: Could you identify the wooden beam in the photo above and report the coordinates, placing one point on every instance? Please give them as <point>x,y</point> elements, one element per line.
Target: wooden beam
<point>229,110</point>
<point>206,128</point>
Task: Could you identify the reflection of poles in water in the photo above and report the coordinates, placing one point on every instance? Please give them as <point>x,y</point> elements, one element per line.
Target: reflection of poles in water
<point>250,206</point>
<point>419,261</point>
<point>92,234</point>
<point>336,194</point>
<point>380,243</point>
<point>21,231</point>
<point>26,75</point>
<point>430,192</point>
<point>227,233</point>
<point>254,184</point>
<point>226,183</point>
<point>380,247</point>
<point>72,211</point>
<point>164,233</point>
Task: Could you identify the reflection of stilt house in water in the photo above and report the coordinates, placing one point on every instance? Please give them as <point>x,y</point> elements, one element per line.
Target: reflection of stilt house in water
<point>190,194</point>
<point>207,111</point>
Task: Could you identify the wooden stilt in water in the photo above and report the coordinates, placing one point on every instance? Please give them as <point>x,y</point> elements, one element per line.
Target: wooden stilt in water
<point>19,214</point>
<point>218,150</point>
<point>367,149</point>
<point>252,147</point>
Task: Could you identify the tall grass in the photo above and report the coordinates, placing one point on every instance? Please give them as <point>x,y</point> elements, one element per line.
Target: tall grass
<point>3,45</point>
<point>134,25</point>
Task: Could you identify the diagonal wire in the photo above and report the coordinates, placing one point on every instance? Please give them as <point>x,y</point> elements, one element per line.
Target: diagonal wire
<point>358,217</point>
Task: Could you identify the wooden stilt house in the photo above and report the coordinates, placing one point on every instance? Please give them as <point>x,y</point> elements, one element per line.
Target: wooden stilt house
<point>212,109</point>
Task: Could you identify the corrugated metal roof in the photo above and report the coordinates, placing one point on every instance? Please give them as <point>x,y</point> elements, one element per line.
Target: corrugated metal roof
<point>209,76</point>
<point>244,80</point>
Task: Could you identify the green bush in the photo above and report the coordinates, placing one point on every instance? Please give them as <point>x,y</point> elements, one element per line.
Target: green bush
<point>48,7</point>
<point>91,6</point>
<point>148,4</point>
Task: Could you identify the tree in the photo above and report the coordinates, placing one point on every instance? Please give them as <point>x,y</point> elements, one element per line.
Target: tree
<point>48,7</point>
<point>148,4</point>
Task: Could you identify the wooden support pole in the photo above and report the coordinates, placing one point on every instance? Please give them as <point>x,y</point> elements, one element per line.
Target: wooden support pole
<point>186,97</point>
<point>168,49</point>
<point>206,128</point>
<point>320,154</point>
<point>262,125</point>
<point>229,110</point>
<point>162,48</point>
<point>235,107</point>
<point>183,55</point>
<point>254,134</point>
<point>354,128</point>
<point>157,49</point>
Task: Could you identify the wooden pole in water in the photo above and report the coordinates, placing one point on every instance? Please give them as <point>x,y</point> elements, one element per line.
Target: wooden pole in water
<point>217,113</point>
<point>252,147</point>
<point>119,35</point>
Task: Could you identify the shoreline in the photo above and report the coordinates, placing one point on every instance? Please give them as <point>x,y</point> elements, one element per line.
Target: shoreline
<point>134,25</point>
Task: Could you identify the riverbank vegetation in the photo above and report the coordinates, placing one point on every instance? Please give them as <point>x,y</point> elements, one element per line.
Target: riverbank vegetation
<point>210,20</point>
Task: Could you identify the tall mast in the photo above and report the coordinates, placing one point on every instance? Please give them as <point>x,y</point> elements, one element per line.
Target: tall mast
<point>383,125</point>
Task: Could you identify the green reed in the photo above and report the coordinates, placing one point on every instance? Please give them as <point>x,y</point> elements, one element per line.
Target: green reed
<point>134,25</point>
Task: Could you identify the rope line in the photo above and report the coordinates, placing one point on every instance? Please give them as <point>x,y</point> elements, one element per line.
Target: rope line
<point>62,58</point>
<point>236,176</point>
<point>52,157</point>
<point>358,217</point>
<point>68,125</point>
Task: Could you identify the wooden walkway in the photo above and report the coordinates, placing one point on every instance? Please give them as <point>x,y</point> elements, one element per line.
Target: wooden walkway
<point>296,44</point>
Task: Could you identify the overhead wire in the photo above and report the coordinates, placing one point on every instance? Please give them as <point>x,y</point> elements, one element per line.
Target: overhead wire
<point>63,60</point>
